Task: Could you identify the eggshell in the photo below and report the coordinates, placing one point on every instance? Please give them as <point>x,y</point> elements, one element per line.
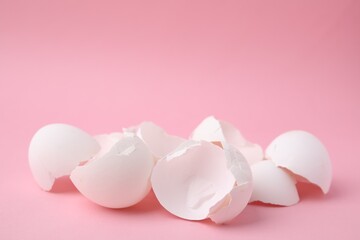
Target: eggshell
<point>106,142</point>
<point>304,155</point>
<point>214,130</point>
<point>200,180</point>
<point>235,202</point>
<point>56,149</point>
<point>252,152</point>
<point>273,185</point>
<point>159,142</point>
<point>192,179</point>
<point>118,179</point>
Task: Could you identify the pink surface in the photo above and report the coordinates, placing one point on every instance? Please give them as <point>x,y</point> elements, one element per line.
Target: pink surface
<point>266,66</point>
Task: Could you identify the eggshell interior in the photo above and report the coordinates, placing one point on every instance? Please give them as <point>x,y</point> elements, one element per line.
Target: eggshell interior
<point>120,178</point>
<point>56,149</point>
<point>304,155</point>
<point>190,181</point>
<point>273,185</point>
<point>238,200</point>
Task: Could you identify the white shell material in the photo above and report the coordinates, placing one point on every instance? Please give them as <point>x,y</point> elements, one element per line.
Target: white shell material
<point>106,142</point>
<point>214,130</point>
<point>239,196</point>
<point>120,178</point>
<point>194,182</point>
<point>159,142</point>
<point>304,155</point>
<point>273,185</point>
<point>56,149</point>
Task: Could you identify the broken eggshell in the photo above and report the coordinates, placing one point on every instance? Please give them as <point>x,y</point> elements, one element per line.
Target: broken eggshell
<point>214,130</point>
<point>159,142</point>
<point>303,155</point>
<point>118,179</point>
<point>196,181</point>
<point>56,149</point>
<point>106,142</point>
<point>273,185</point>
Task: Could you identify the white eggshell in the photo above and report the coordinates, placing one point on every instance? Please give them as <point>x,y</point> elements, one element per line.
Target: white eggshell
<point>56,149</point>
<point>273,185</point>
<point>106,142</point>
<point>192,179</point>
<point>214,130</point>
<point>121,178</point>
<point>252,152</point>
<point>304,155</point>
<point>159,142</point>
<point>235,202</point>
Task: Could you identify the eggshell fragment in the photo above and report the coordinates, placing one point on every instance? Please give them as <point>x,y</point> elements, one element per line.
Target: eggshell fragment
<point>189,183</point>
<point>235,202</point>
<point>273,185</point>
<point>120,178</point>
<point>197,181</point>
<point>214,130</point>
<point>159,142</point>
<point>56,149</point>
<point>106,142</point>
<point>304,155</point>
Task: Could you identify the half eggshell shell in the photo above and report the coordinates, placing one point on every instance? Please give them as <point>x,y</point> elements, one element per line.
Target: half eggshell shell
<point>120,178</point>
<point>200,180</point>
<point>56,149</point>
<point>304,155</point>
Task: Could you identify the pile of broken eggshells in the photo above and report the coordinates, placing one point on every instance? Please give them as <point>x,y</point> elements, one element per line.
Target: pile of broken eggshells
<point>213,174</point>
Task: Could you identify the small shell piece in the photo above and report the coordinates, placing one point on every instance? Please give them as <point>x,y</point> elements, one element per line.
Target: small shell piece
<point>159,142</point>
<point>273,185</point>
<point>214,130</point>
<point>304,155</point>
<point>118,179</point>
<point>196,181</point>
<point>56,149</point>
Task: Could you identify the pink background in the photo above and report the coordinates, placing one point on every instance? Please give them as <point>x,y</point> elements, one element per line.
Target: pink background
<point>265,66</point>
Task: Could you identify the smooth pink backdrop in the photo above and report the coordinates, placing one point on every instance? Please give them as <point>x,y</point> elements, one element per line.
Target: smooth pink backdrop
<point>266,66</point>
